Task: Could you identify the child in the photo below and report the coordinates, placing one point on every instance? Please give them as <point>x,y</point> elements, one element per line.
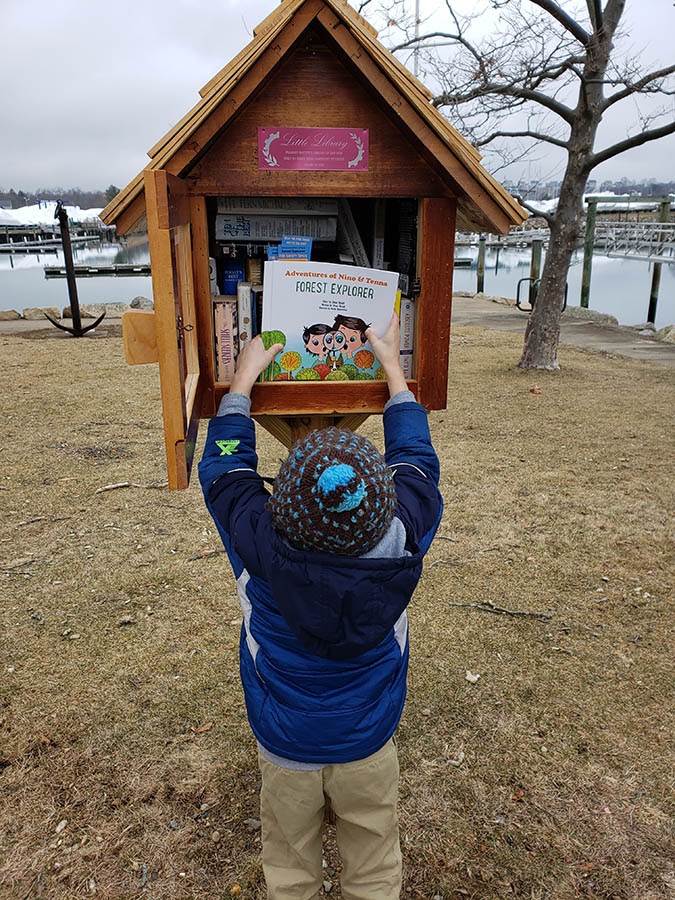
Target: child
<point>325,568</point>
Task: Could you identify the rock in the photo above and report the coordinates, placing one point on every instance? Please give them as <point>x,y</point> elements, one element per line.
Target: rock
<point>35,313</point>
<point>62,824</point>
<point>253,824</point>
<point>666,334</point>
<point>592,315</point>
<point>9,315</point>
<point>142,303</point>
<point>215,837</point>
<point>94,310</point>
<point>126,620</point>
<point>327,886</point>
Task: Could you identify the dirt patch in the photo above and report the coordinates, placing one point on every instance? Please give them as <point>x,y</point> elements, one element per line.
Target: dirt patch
<point>127,767</point>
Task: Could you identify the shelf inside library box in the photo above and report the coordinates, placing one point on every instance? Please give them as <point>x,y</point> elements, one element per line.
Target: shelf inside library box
<point>238,259</point>
<point>288,398</point>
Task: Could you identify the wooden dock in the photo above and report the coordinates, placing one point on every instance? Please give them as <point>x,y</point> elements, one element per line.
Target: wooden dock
<point>120,269</point>
<point>48,245</point>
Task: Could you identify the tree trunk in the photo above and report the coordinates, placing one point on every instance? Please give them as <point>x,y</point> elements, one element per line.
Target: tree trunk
<point>542,334</point>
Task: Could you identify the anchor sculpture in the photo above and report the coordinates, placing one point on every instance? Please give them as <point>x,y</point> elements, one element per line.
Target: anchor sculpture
<point>77,330</point>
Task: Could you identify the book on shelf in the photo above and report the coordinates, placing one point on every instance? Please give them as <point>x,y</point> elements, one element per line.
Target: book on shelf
<point>245,313</point>
<point>225,328</point>
<point>407,319</point>
<point>349,243</point>
<point>256,307</point>
<point>234,271</point>
<point>247,227</point>
<point>254,270</point>
<point>378,234</point>
<point>292,246</point>
<point>322,311</point>
<point>274,206</point>
<point>213,276</point>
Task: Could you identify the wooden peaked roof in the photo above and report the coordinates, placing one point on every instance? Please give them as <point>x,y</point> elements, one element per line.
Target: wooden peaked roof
<point>482,202</point>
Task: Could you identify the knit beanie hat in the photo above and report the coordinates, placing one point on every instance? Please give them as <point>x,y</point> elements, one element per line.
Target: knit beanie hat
<point>334,493</point>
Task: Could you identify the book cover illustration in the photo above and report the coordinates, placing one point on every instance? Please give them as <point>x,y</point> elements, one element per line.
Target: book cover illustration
<point>320,312</point>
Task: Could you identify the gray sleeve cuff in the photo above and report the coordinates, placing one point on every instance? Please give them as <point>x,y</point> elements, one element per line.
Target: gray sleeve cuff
<point>235,403</point>
<point>401,397</point>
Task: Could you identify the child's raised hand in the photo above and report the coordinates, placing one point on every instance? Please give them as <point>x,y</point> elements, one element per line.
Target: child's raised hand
<point>387,348</point>
<point>253,360</point>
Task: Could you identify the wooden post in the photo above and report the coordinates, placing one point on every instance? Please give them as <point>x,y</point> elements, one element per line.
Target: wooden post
<point>480,269</point>
<point>589,241</point>
<point>437,220</point>
<point>664,216</point>
<point>535,268</point>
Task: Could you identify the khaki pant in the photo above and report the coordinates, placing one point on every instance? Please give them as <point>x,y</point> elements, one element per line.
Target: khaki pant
<point>363,796</point>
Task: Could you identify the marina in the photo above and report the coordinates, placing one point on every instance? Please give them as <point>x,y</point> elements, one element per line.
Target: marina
<point>47,238</point>
<point>620,287</point>
<point>87,271</point>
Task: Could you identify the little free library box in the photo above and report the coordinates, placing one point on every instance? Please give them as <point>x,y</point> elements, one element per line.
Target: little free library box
<point>314,150</point>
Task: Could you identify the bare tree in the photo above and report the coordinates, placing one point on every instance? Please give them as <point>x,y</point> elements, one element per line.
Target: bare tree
<point>543,75</point>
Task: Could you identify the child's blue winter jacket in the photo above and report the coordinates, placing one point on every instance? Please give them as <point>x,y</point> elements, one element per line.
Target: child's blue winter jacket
<point>324,644</point>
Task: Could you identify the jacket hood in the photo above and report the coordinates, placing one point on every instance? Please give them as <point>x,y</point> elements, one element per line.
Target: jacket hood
<point>338,607</point>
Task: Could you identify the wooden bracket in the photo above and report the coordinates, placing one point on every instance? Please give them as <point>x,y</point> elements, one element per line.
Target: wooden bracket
<point>289,429</point>
<point>139,330</point>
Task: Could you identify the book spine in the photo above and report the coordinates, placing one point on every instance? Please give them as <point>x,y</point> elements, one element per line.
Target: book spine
<point>257,307</point>
<point>225,330</point>
<point>244,313</point>
<point>273,228</point>
<point>407,336</point>
<point>233,273</point>
<point>378,235</point>
<point>348,237</point>
<point>272,206</point>
<point>254,270</point>
<point>213,276</point>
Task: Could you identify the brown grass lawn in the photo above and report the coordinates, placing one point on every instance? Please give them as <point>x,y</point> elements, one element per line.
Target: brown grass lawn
<point>126,765</point>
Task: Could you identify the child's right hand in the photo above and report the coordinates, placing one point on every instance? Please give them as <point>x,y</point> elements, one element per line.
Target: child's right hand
<point>253,360</point>
<point>387,348</point>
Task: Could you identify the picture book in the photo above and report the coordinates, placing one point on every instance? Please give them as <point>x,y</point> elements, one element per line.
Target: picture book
<point>322,311</point>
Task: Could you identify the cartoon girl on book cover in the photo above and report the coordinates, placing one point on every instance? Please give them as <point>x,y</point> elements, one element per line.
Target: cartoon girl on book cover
<point>313,339</point>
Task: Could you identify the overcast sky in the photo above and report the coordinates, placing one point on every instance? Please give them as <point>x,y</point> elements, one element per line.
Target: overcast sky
<point>89,87</point>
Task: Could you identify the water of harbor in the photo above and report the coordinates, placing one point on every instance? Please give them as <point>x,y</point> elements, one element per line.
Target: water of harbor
<point>23,282</point>
<point>619,287</point>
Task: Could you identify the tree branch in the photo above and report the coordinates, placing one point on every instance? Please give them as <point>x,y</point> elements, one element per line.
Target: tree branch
<point>412,42</point>
<point>536,135</point>
<point>548,217</point>
<point>639,86</point>
<point>567,22</point>
<point>509,90</point>
<point>595,13</point>
<point>635,141</point>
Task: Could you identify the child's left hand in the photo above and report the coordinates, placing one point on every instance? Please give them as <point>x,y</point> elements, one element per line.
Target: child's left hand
<point>253,360</point>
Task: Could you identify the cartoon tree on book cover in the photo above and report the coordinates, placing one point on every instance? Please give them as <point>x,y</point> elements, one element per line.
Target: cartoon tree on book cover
<point>320,312</point>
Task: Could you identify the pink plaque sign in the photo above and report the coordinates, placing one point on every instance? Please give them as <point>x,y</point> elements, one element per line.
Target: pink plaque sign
<point>303,149</point>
